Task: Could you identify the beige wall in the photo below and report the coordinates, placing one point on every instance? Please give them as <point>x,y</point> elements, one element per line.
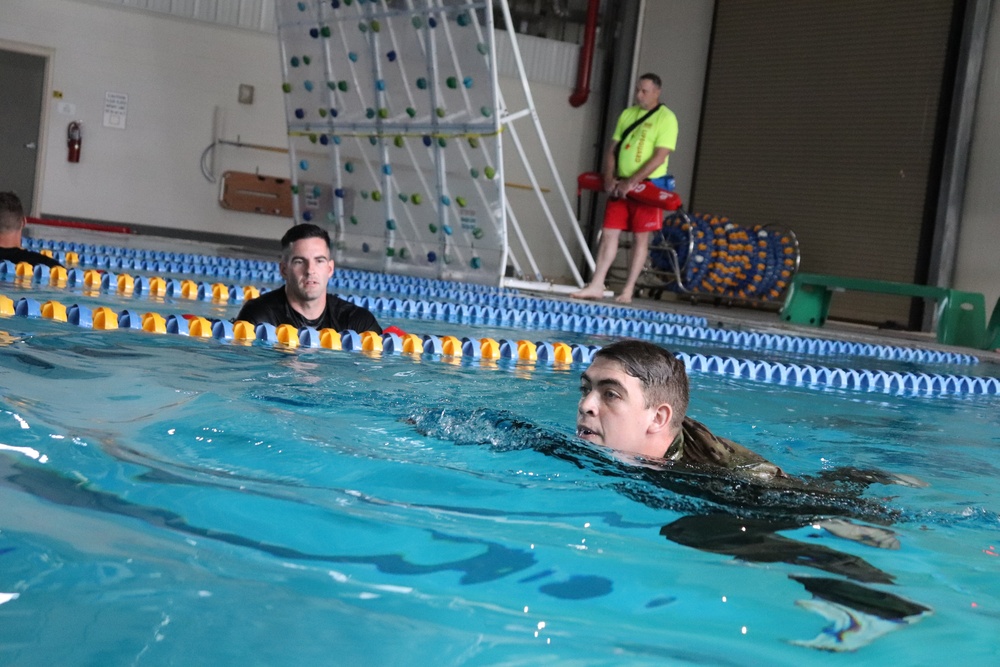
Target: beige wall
<point>977,267</point>
<point>674,43</point>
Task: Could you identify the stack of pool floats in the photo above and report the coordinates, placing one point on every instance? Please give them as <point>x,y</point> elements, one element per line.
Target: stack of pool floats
<point>720,258</point>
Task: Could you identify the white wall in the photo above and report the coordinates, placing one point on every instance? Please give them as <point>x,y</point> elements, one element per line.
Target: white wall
<point>977,266</point>
<point>175,73</point>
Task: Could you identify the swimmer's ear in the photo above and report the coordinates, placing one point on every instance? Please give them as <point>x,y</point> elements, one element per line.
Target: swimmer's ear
<point>661,418</point>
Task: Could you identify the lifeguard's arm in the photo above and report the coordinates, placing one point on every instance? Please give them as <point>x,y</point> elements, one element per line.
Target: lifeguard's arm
<point>610,171</point>
<point>658,157</point>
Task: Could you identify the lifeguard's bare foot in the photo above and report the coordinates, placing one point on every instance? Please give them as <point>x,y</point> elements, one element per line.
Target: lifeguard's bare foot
<point>589,292</point>
<point>624,298</point>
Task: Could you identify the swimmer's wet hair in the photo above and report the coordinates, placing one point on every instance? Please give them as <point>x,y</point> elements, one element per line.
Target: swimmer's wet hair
<point>662,375</point>
<point>11,212</point>
<point>303,231</point>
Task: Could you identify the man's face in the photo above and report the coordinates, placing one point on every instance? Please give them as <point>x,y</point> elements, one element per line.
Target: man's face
<point>307,270</point>
<point>612,410</point>
<point>647,94</point>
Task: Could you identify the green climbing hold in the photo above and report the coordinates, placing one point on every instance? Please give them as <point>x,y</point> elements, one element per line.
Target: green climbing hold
<point>369,113</point>
<point>433,228</point>
<point>363,27</point>
<point>295,189</point>
<point>390,224</point>
<point>417,22</point>
<point>325,31</point>
<point>306,60</point>
<point>286,87</point>
<point>383,112</point>
<point>373,140</point>
<point>403,253</point>
<point>422,83</point>
<point>490,172</point>
<point>398,141</point>
<point>389,252</point>
<point>354,219</point>
<point>322,113</point>
<point>342,86</point>
<point>349,167</point>
<point>411,112</point>
<point>486,111</point>
<point>376,26</point>
<point>376,195</point>
<point>477,233</point>
<point>312,138</point>
<point>473,142</point>
<point>416,198</point>
<point>440,112</point>
<point>442,142</point>
<point>452,82</point>
<point>460,201</point>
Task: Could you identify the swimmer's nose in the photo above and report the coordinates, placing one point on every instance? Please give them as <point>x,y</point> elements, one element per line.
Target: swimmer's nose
<point>586,406</point>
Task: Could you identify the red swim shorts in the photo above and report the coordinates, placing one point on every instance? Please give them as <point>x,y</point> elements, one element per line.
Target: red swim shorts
<point>631,216</point>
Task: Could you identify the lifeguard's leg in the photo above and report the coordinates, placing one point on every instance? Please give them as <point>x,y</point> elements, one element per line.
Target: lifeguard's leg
<point>606,252</point>
<point>640,249</point>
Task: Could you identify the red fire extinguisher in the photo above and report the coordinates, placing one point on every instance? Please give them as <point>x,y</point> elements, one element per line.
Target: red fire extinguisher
<point>74,139</point>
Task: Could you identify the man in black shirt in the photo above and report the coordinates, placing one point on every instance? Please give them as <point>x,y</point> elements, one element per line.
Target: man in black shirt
<point>12,223</point>
<point>307,267</point>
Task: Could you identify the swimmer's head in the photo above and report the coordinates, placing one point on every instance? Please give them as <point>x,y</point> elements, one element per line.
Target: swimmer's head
<point>11,212</point>
<point>303,231</point>
<point>633,398</point>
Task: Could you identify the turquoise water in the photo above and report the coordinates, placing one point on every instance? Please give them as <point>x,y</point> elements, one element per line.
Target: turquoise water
<point>168,501</point>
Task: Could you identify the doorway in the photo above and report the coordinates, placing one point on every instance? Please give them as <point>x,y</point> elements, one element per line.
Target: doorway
<point>22,78</point>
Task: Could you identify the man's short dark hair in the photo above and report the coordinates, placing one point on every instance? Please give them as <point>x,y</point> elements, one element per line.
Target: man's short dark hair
<point>304,231</point>
<point>11,212</point>
<point>652,78</point>
<point>662,375</point>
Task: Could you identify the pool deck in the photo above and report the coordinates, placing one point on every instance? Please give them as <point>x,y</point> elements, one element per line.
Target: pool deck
<point>720,316</point>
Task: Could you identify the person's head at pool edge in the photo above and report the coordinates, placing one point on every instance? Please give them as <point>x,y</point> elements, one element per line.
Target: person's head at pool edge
<point>633,398</point>
<point>307,267</point>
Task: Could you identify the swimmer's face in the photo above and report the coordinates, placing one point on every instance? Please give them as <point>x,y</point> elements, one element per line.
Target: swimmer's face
<point>307,268</point>
<point>613,413</point>
<point>647,94</point>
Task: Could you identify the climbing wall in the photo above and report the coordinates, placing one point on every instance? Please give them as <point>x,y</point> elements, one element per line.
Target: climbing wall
<point>394,133</point>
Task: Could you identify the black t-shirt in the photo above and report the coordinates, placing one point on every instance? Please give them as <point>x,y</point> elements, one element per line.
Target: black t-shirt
<point>273,308</point>
<point>30,256</point>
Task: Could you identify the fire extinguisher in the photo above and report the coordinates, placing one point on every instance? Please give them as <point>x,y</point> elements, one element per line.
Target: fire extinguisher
<point>74,139</point>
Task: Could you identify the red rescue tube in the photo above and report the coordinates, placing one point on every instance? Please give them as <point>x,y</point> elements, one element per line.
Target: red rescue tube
<point>645,193</point>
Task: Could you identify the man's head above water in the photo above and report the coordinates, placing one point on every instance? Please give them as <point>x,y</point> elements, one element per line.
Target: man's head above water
<point>633,398</point>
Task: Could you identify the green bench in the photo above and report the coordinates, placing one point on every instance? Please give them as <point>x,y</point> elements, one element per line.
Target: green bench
<point>961,316</point>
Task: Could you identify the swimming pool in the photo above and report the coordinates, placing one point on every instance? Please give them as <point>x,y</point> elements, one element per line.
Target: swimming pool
<point>170,500</point>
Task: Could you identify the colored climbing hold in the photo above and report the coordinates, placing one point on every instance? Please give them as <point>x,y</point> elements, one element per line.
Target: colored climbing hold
<point>300,113</point>
<point>433,228</point>
<point>446,200</point>
<point>467,82</point>
<point>411,112</point>
<point>486,111</point>
<point>333,112</point>
<point>391,56</point>
<point>474,172</point>
<point>363,27</point>
<point>369,113</point>
<point>460,201</point>
<point>462,19</point>
<point>482,48</point>
<point>365,247</point>
<point>352,56</point>
<point>440,112</point>
<point>489,172</point>
<point>286,87</point>
<point>307,216</point>
<point>308,85</point>
<point>452,82</point>
<point>295,189</point>
<point>312,137</point>
<point>373,140</point>
<point>432,22</point>
<point>403,197</point>
<point>390,224</point>
<point>477,233</point>
<point>432,257</point>
<point>416,198</point>
<point>390,252</point>
<point>302,6</point>
<point>306,60</point>
<point>398,141</point>
<point>383,112</point>
<point>322,113</point>
<point>380,85</point>
<point>342,86</point>
<point>387,169</point>
<point>447,230</point>
<point>427,140</point>
<point>475,263</point>
<point>336,138</point>
<point>339,193</point>
<point>376,26</point>
<point>323,139</point>
<point>473,142</point>
<point>304,165</point>
<point>314,33</point>
<point>364,194</point>
<point>422,83</point>
<point>325,31</point>
<point>332,85</point>
<point>403,253</point>
<point>376,195</point>
<point>294,61</point>
<point>442,142</point>
<point>354,219</point>
<point>417,22</point>
<point>349,167</point>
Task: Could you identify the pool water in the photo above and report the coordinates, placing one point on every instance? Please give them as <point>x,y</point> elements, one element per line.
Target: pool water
<point>170,501</point>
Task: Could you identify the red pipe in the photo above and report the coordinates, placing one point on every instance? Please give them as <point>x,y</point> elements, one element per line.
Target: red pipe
<point>117,229</point>
<point>582,91</point>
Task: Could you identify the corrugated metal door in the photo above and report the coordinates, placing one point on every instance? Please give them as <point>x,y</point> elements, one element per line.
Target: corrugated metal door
<point>825,117</point>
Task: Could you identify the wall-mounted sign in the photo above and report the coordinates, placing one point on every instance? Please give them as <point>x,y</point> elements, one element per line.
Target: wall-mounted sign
<point>115,110</point>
